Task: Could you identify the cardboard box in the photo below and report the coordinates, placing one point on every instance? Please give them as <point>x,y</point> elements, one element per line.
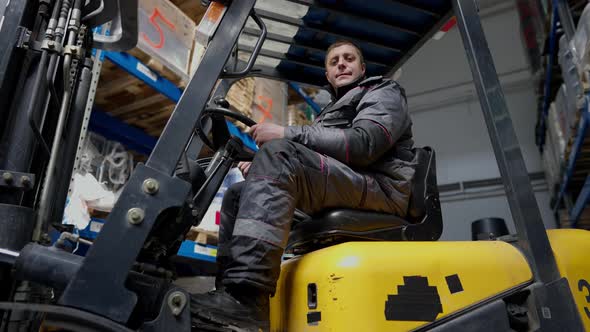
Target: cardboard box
<point>166,34</point>
<point>270,101</point>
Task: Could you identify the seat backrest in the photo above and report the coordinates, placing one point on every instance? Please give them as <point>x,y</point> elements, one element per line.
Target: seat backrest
<point>424,214</point>
<point>423,185</point>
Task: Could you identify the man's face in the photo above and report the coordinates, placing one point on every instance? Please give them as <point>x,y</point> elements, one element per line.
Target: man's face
<point>343,66</point>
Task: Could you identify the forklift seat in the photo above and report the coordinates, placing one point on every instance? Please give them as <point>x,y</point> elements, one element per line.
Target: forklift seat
<point>422,223</point>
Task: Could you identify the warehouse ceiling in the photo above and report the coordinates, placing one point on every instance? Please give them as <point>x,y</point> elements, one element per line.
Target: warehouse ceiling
<point>388,32</point>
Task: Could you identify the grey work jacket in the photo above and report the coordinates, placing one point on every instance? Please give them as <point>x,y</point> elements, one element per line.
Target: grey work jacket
<point>370,130</point>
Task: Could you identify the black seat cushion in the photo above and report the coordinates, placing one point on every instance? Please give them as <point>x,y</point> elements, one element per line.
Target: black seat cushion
<point>337,226</point>
<point>347,220</point>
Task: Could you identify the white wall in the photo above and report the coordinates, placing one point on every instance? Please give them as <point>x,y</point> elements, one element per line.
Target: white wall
<point>458,215</point>
<point>447,115</point>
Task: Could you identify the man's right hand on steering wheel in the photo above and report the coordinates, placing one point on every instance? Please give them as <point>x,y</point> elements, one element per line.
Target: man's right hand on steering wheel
<point>264,132</point>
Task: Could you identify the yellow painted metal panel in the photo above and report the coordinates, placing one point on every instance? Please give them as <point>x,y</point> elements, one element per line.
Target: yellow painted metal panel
<point>355,280</point>
<point>571,248</point>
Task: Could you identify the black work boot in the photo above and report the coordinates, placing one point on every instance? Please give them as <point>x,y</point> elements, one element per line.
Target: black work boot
<point>245,307</point>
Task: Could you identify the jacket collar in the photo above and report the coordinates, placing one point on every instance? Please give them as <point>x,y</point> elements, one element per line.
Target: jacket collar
<point>341,91</point>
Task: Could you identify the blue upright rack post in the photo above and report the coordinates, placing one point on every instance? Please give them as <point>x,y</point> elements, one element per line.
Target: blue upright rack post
<point>316,108</point>
<point>581,202</point>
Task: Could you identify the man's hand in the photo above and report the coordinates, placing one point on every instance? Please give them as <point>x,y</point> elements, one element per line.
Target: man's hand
<point>265,132</point>
<point>244,167</point>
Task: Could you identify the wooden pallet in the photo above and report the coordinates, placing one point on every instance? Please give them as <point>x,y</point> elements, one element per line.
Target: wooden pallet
<point>202,236</point>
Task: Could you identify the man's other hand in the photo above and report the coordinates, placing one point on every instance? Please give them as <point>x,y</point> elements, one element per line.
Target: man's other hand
<point>244,167</point>
<point>265,132</point>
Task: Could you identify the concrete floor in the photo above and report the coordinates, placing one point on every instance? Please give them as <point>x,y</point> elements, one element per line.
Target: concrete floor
<point>196,284</point>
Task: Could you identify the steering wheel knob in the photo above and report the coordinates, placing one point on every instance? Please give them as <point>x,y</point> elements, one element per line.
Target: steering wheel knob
<point>222,102</point>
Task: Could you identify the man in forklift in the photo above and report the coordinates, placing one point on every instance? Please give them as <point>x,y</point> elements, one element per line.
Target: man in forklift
<point>357,154</point>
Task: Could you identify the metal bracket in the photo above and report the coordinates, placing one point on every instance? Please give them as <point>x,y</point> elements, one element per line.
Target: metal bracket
<point>51,46</point>
<point>118,244</point>
<point>177,301</point>
<point>23,37</point>
<point>74,51</point>
<point>174,313</point>
<point>10,179</point>
<point>554,306</point>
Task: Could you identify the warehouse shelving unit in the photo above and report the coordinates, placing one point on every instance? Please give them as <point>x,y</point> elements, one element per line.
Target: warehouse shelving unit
<point>160,84</point>
<point>574,187</point>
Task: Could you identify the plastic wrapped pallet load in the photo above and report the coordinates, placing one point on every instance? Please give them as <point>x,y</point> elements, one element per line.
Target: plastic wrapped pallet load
<point>581,41</point>
<point>555,133</point>
<point>569,68</point>
<point>566,109</point>
<point>553,151</point>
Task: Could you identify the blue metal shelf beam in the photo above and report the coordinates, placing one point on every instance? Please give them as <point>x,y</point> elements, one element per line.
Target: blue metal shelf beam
<point>134,67</point>
<point>188,249</point>
<point>316,108</point>
<point>116,130</point>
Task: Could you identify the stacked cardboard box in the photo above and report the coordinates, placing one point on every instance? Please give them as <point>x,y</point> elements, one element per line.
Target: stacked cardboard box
<point>166,34</point>
<point>270,101</point>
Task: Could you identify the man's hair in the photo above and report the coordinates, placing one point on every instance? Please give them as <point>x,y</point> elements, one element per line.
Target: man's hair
<point>345,42</point>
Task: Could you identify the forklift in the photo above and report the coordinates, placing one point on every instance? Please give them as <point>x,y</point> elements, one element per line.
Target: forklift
<point>348,270</point>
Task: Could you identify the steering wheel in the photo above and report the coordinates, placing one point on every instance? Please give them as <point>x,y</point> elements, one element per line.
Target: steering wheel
<point>218,114</point>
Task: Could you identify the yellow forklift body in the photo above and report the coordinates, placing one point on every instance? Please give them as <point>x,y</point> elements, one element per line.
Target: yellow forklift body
<point>571,248</point>
<point>392,286</point>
